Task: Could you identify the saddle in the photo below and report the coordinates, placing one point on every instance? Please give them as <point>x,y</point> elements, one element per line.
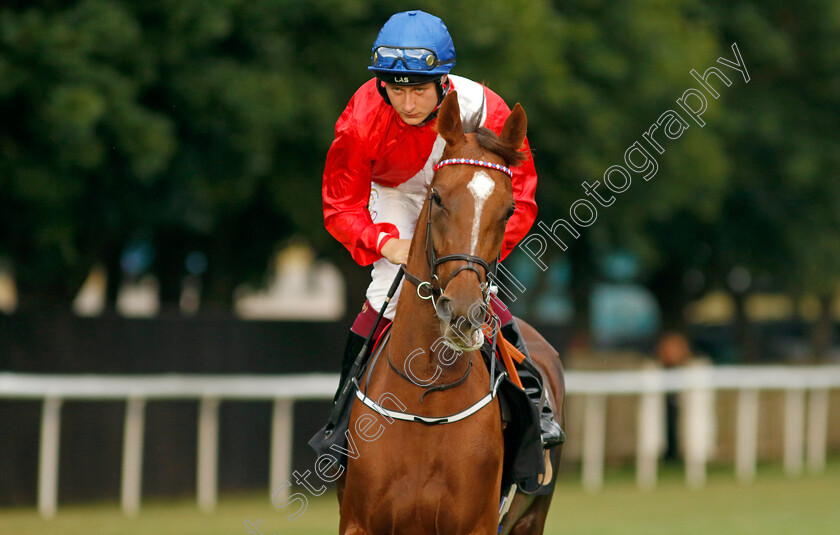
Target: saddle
<point>524,458</point>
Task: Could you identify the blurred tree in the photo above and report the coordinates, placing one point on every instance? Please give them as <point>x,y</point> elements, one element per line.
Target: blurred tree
<point>78,152</point>
<point>780,217</point>
<point>614,69</point>
<point>203,126</point>
<point>196,125</point>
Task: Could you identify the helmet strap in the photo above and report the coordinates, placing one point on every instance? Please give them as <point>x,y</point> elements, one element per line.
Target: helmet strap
<point>380,86</point>
<point>442,89</point>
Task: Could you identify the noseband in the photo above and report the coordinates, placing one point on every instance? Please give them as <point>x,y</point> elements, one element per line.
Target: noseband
<point>433,287</point>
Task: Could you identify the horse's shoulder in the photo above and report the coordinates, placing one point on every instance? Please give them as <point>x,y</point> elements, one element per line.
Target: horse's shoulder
<point>546,358</point>
<point>536,342</point>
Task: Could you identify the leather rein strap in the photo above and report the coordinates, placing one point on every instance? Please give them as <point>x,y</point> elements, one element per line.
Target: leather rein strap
<point>431,420</point>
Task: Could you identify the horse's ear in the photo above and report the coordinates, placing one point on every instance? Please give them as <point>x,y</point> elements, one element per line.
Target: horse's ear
<point>449,120</point>
<point>513,132</point>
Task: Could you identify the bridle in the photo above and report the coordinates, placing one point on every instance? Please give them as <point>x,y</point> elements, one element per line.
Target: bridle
<point>433,288</point>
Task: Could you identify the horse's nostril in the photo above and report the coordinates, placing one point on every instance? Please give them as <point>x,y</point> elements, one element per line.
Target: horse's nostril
<point>443,308</point>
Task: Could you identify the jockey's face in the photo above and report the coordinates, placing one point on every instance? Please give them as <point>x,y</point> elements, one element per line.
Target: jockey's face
<point>413,103</point>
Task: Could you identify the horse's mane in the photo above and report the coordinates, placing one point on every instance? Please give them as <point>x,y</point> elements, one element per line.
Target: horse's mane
<point>487,139</point>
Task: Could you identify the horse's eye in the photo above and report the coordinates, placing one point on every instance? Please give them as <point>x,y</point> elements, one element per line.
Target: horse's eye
<point>511,210</point>
<point>436,198</point>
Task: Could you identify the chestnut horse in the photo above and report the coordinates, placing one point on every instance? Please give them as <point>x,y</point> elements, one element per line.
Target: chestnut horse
<point>415,478</point>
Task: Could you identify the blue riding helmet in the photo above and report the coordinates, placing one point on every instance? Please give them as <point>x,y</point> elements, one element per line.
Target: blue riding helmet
<point>412,48</point>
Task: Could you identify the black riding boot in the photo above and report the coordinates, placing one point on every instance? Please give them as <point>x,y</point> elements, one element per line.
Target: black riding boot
<point>351,351</point>
<point>333,435</point>
<point>551,433</point>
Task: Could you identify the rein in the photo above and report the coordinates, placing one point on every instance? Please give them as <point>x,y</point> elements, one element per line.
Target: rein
<point>361,393</point>
<point>434,387</point>
<point>431,420</point>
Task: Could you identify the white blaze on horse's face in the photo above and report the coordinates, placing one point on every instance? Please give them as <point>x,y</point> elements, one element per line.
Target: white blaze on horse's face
<point>481,186</point>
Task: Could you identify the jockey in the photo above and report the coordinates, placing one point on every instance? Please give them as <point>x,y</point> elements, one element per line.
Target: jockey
<point>379,168</point>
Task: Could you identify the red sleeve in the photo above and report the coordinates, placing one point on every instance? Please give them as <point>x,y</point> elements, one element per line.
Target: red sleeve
<point>346,190</point>
<point>524,178</point>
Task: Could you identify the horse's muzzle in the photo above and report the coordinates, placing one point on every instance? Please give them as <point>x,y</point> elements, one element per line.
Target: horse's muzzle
<point>460,331</point>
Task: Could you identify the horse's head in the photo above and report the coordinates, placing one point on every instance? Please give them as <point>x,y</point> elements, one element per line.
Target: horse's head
<point>468,206</point>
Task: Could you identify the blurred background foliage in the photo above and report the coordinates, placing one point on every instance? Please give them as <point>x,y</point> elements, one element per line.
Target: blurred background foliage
<point>195,125</point>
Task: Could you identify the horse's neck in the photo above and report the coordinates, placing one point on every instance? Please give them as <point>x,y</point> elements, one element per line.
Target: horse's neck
<point>416,328</point>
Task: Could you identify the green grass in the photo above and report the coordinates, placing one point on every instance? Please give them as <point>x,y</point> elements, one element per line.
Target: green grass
<point>774,505</point>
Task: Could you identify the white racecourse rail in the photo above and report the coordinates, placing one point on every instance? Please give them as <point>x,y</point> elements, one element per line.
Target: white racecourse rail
<point>806,387</point>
